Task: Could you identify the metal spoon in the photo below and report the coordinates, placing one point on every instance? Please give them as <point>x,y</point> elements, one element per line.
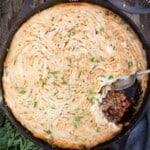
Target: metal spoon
<point>127,81</point>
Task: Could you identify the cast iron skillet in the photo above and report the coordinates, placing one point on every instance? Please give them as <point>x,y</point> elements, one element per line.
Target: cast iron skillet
<point>26,15</point>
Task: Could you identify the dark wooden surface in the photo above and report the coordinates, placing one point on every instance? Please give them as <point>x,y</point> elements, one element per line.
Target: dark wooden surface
<point>9,11</point>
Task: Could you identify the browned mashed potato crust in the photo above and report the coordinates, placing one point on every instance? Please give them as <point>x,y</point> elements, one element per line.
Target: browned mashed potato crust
<point>58,61</point>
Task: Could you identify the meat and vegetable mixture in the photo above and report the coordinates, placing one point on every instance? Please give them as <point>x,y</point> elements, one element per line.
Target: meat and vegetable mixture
<point>119,106</point>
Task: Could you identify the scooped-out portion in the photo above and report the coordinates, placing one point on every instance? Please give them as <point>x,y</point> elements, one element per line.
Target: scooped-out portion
<point>58,62</point>
<point>120,106</point>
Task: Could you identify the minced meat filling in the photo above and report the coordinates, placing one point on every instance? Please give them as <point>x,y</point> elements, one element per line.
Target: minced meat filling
<point>114,105</point>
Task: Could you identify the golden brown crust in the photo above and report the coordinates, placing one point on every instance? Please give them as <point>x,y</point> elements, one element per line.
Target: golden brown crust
<point>58,61</point>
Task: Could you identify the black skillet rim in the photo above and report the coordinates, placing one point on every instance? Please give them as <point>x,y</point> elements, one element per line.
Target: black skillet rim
<point>25,17</point>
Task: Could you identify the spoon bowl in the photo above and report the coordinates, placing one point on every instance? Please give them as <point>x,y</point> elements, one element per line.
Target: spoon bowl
<point>127,81</point>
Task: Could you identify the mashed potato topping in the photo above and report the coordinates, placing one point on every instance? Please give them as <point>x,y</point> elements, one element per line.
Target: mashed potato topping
<point>57,63</point>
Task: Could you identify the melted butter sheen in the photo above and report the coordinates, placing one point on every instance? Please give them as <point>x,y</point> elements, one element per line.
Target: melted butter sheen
<point>58,61</point>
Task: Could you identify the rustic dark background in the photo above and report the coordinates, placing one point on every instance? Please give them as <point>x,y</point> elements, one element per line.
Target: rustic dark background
<point>9,11</point>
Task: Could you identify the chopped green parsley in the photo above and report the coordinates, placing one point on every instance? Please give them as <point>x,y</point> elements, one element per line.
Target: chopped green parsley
<point>142,26</point>
<point>130,64</point>
<point>102,29</point>
<point>71,33</point>
<point>77,121</point>
<point>92,59</point>
<point>21,90</point>
<point>107,13</point>
<point>43,83</point>
<point>98,129</point>
<point>110,77</point>
<point>64,81</point>
<point>54,72</point>
<point>47,131</point>
<point>92,100</point>
<point>35,104</point>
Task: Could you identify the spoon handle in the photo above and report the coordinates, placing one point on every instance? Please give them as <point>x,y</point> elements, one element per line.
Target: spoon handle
<point>143,72</point>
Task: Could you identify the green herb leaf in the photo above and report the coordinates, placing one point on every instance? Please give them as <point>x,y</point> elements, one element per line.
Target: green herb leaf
<point>92,59</point>
<point>48,131</point>
<point>46,47</point>
<point>64,81</point>
<point>53,107</point>
<point>122,22</point>
<point>98,129</point>
<point>92,92</point>
<point>43,83</point>
<point>56,92</point>
<point>130,64</point>
<point>20,90</point>
<point>92,100</point>
<point>85,112</point>
<point>77,121</point>
<point>73,99</point>
<point>71,33</point>
<point>142,26</point>
<point>102,29</point>
<point>53,29</point>
<point>35,104</point>
<point>39,38</point>
<point>107,13</point>
<point>110,77</point>
<point>54,72</point>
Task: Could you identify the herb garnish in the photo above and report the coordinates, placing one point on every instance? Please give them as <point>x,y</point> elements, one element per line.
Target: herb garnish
<point>71,33</point>
<point>64,81</point>
<point>73,99</point>
<point>56,92</point>
<point>35,104</point>
<point>92,92</point>
<point>142,26</point>
<point>53,107</point>
<point>47,131</point>
<point>92,100</point>
<point>98,129</point>
<point>92,59</point>
<point>102,29</point>
<point>85,112</point>
<point>77,121</point>
<point>39,38</point>
<point>21,90</point>
<point>81,114</point>
<point>130,64</point>
<point>43,83</point>
<point>54,72</point>
<point>46,47</point>
<point>107,13</point>
<point>70,61</point>
<point>122,22</point>
<point>110,77</point>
